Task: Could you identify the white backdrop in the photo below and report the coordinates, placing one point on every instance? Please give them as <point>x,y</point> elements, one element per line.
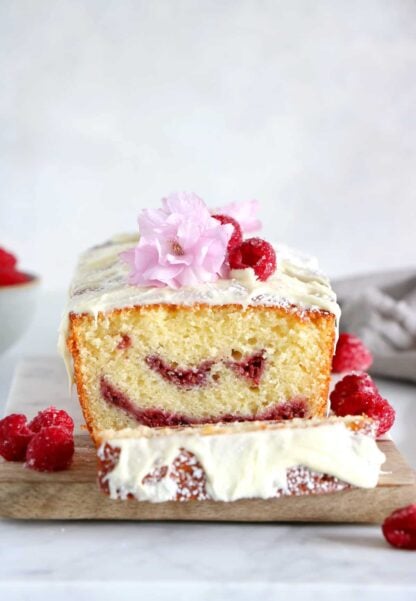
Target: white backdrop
<point>106,105</point>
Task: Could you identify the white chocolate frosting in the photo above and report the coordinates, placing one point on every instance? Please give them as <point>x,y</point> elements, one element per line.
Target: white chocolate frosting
<point>241,460</point>
<point>100,285</point>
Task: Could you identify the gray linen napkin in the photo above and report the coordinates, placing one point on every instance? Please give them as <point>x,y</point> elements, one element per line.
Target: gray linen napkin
<point>380,308</point>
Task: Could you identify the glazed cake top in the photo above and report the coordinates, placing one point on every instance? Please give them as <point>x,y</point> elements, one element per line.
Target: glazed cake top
<point>101,284</point>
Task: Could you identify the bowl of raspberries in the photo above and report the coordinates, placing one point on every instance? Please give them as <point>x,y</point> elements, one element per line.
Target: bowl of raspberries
<point>18,292</point>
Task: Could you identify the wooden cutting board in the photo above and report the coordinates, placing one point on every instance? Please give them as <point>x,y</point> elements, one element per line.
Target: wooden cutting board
<point>74,494</point>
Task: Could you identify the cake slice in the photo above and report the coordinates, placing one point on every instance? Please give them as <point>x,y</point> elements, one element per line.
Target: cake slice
<point>232,346</point>
<point>227,462</point>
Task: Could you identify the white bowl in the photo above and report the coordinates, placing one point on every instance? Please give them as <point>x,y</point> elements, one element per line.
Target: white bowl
<point>17,308</point>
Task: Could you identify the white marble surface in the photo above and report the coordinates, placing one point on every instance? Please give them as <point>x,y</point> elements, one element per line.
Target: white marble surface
<point>112,561</point>
<point>165,561</point>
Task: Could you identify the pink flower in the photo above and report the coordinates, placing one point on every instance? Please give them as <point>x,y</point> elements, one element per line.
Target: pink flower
<point>245,213</point>
<point>180,244</point>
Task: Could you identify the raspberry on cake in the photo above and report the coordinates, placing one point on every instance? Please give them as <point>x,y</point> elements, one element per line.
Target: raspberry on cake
<point>227,462</point>
<point>169,331</point>
<point>257,254</point>
<point>237,235</point>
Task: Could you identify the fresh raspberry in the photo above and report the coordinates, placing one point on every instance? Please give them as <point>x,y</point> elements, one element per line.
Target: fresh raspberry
<point>15,435</point>
<point>399,528</point>
<point>7,260</point>
<point>9,277</point>
<point>52,417</point>
<point>237,235</point>
<point>351,354</point>
<point>351,389</point>
<point>384,413</point>
<point>357,394</point>
<point>255,253</point>
<point>50,450</point>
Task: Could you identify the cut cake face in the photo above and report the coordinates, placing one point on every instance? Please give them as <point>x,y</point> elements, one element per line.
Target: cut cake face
<point>237,349</point>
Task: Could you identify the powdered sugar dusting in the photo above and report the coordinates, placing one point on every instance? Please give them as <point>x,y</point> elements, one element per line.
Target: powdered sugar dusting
<point>230,462</point>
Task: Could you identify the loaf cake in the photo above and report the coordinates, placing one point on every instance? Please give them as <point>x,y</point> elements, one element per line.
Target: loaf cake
<point>191,324</point>
<point>227,462</point>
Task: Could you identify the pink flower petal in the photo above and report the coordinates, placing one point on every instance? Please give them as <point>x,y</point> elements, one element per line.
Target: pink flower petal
<point>245,213</point>
<point>180,244</point>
